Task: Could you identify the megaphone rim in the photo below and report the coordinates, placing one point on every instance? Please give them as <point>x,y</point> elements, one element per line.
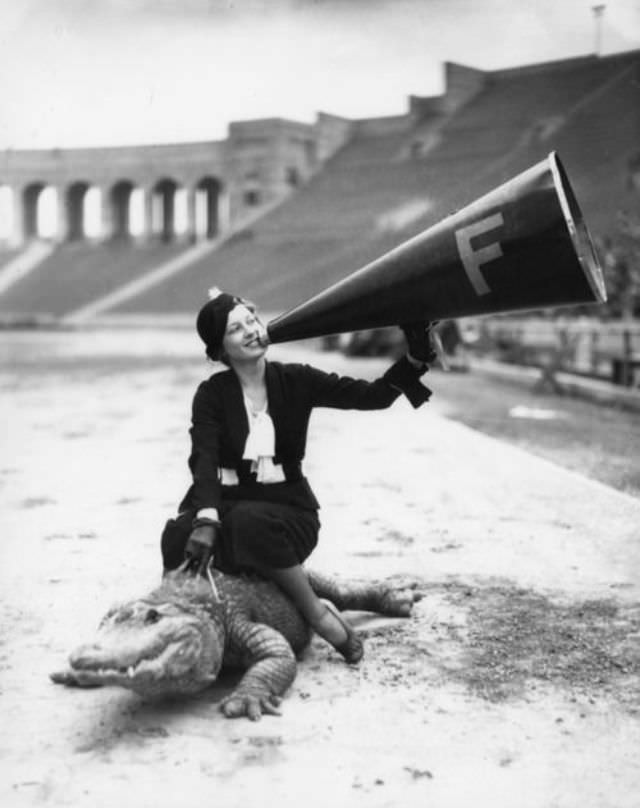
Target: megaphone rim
<point>577,228</point>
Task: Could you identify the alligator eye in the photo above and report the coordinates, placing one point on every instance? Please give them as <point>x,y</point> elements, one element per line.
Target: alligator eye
<point>152,616</point>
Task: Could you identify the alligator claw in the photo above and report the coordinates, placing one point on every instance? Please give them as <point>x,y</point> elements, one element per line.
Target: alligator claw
<point>253,707</point>
<point>400,602</point>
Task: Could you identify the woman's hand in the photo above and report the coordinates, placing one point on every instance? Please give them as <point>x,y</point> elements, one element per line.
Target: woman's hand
<point>420,341</point>
<point>199,547</point>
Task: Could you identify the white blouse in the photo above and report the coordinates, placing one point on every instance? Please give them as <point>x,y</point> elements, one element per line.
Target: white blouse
<point>261,445</point>
<point>260,448</point>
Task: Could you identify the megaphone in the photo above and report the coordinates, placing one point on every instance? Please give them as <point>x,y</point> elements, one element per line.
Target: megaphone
<point>524,245</point>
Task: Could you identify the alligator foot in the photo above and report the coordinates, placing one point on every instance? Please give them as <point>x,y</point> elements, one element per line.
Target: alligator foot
<point>253,706</point>
<point>397,602</point>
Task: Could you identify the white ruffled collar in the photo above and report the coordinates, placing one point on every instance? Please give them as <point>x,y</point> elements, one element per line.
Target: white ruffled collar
<point>260,447</point>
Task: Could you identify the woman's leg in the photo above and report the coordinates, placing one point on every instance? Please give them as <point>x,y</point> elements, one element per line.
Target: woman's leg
<point>268,538</point>
<point>324,620</point>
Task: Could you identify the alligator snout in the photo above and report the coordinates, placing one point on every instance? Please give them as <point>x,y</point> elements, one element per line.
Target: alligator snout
<point>89,655</point>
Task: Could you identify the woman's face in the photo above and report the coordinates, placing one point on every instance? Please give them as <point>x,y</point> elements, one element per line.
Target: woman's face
<point>242,337</point>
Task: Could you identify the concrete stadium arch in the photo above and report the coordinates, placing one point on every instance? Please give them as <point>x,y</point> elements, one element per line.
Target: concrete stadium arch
<point>208,191</point>
<point>7,203</point>
<point>153,191</point>
<point>120,203</point>
<point>164,208</point>
<point>93,213</point>
<point>32,215</point>
<point>75,199</point>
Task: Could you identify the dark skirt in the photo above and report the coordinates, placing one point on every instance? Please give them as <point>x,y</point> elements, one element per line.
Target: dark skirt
<point>254,535</point>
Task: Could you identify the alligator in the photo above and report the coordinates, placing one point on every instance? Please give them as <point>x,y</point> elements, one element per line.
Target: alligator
<point>175,640</point>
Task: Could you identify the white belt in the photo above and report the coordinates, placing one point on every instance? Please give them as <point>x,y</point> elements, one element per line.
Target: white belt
<point>230,476</point>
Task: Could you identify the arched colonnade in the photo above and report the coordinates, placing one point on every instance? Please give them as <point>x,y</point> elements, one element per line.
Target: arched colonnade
<point>166,210</point>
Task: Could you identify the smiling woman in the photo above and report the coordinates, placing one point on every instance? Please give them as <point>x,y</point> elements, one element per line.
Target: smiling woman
<point>250,507</point>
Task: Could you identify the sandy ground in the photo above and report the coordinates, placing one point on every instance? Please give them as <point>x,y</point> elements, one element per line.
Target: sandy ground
<point>517,681</point>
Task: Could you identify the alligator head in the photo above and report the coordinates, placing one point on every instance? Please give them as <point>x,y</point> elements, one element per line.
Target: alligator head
<point>170,642</point>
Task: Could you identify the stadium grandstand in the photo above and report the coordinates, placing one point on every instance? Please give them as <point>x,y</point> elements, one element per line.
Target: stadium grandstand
<point>345,192</point>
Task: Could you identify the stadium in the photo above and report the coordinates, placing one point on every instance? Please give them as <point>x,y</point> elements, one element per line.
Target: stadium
<point>283,209</point>
<point>508,506</point>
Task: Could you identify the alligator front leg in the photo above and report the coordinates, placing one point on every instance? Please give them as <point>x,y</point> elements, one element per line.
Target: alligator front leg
<point>371,597</point>
<point>271,669</point>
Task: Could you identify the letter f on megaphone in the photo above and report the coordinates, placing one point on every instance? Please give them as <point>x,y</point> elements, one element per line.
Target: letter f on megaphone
<point>524,245</point>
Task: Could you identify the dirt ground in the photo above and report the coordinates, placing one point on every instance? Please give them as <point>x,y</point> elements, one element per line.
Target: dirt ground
<point>516,682</point>
<point>600,441</point>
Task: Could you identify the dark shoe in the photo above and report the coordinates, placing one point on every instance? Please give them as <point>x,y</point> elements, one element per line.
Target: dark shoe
<point>352,648</point>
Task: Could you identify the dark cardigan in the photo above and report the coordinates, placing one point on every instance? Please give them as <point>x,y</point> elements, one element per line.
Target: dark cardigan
<point>220,427</point>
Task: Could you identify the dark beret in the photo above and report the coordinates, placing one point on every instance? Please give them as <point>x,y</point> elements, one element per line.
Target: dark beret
<point>211,322</point>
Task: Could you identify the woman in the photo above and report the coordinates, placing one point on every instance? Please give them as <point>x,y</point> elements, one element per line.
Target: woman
<point>250,505</point>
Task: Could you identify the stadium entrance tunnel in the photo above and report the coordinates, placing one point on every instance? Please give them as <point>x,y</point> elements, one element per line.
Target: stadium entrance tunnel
<point>164,209</point>
<point>207,208</point>
<point>75,204</point>
<point>120,199</point>
<point>32,210</point>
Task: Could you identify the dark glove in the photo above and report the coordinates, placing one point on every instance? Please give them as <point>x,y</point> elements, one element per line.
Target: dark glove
<point>421,341</point>
<point>199,547</point>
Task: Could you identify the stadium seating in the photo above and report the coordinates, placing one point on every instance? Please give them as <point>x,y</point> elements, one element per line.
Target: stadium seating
<point>77,273</point>
<point>386,184</point>
<point>583,110</point>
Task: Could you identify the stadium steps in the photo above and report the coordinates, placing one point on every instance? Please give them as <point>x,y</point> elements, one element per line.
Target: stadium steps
<point>595,135</point>
<point>595,155</point>
<point>279,261</point>
<point>600,143</point>
<point>142,283</point>
<point>378,191</point>
<point>7,254</point>
<point>596,118</point>
<point>332,226</point>
<point>74,274</point>
<point>22,263</point>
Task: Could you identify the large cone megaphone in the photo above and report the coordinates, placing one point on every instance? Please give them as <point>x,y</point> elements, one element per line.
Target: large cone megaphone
<point>524,245</point>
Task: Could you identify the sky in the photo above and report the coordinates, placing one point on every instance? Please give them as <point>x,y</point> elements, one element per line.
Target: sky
<point>117,72</point>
